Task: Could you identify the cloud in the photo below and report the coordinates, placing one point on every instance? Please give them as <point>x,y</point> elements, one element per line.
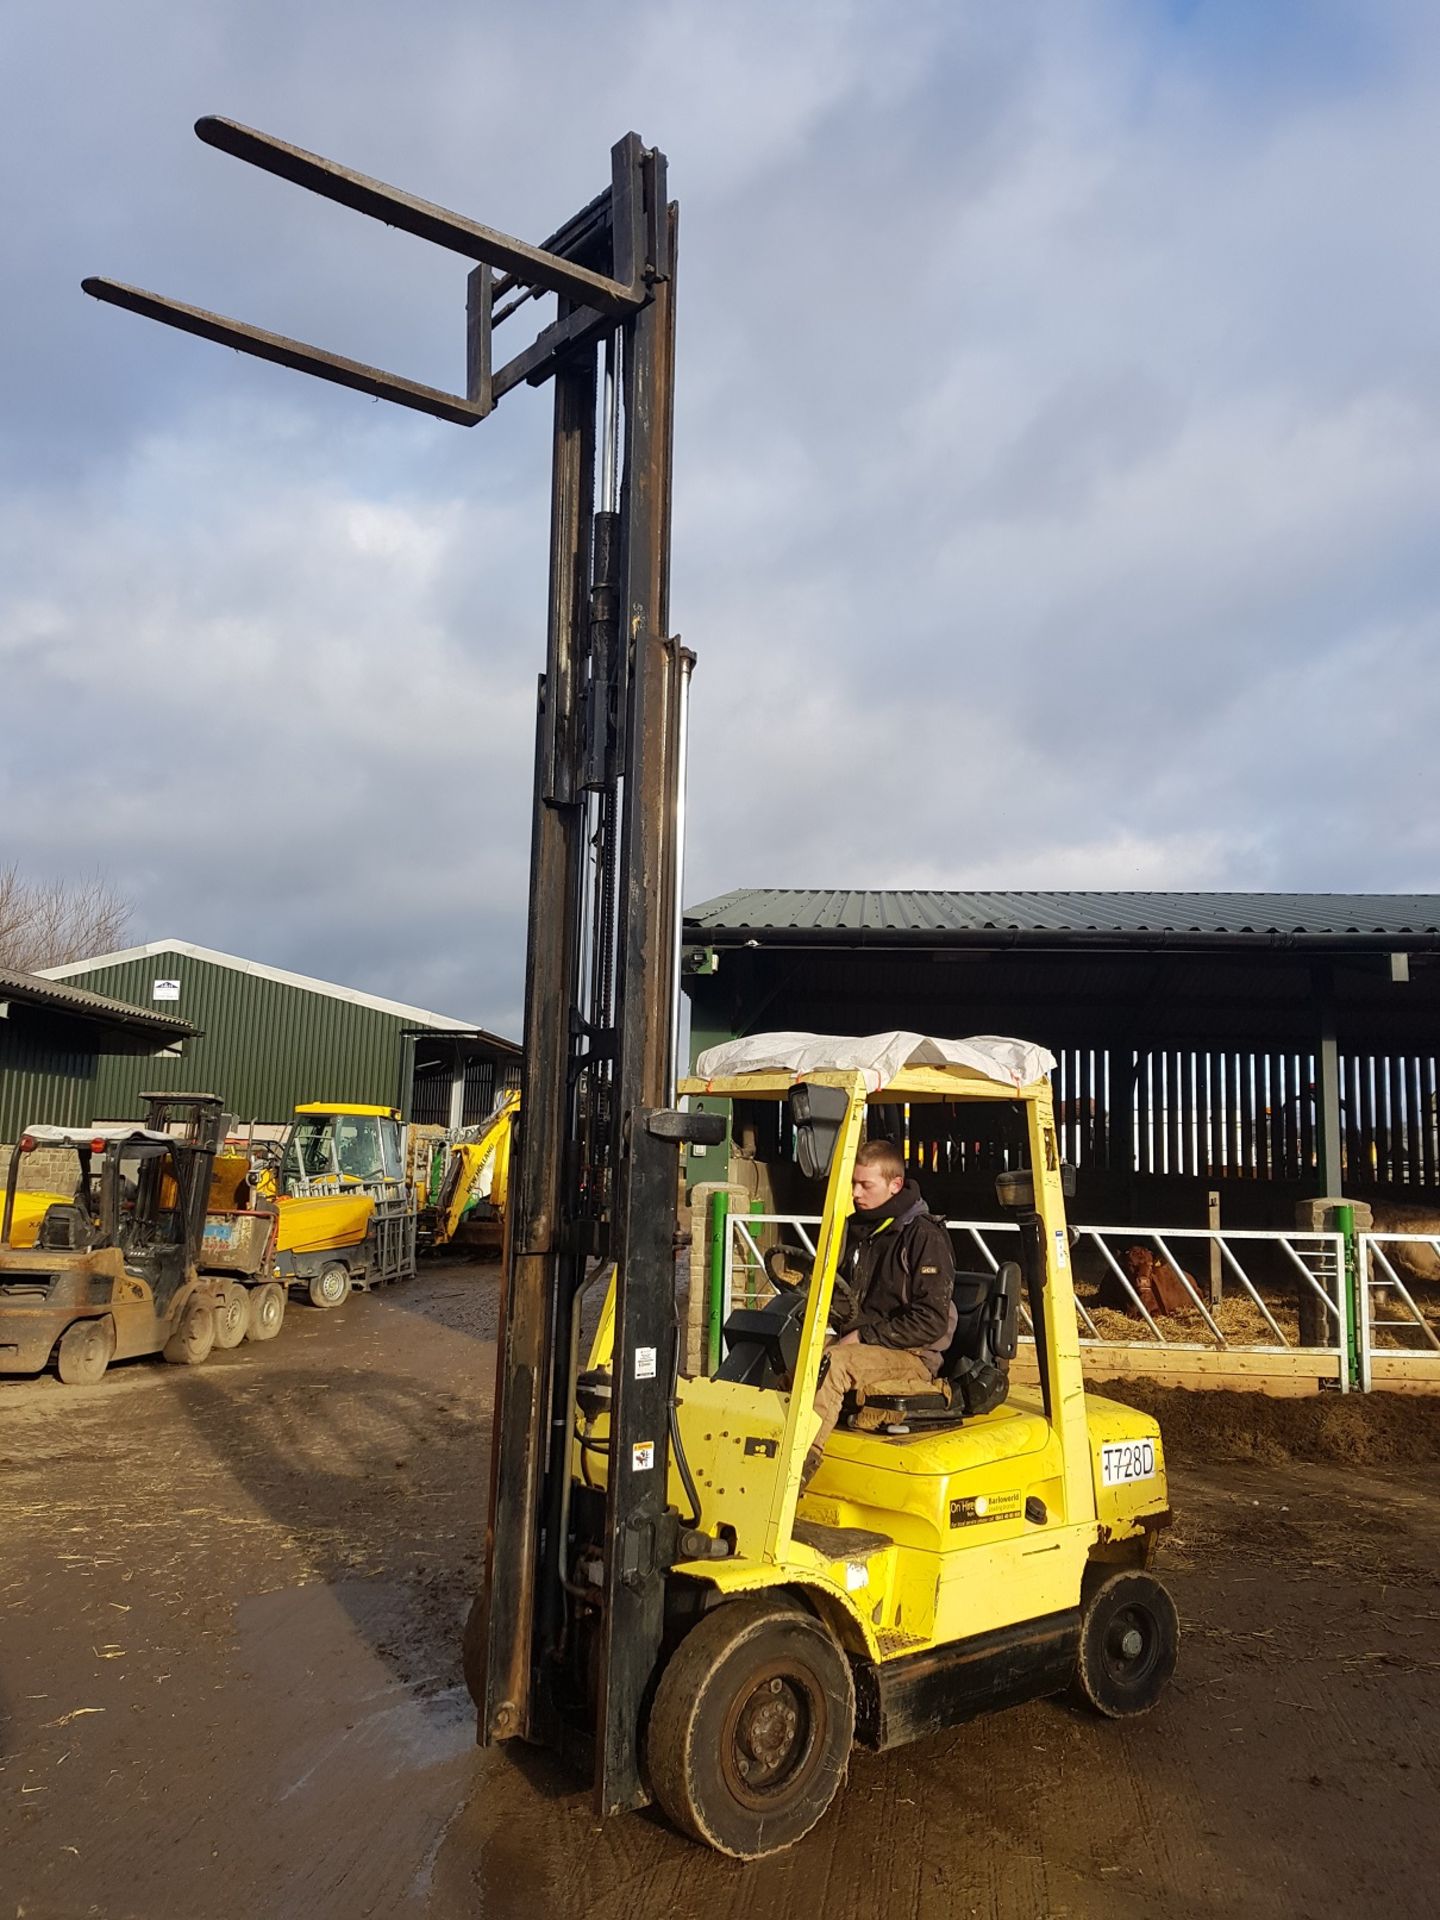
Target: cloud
<point>1057,426</point>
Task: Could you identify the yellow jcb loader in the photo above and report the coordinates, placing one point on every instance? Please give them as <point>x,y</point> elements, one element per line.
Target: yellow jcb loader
<point>327,1209</point>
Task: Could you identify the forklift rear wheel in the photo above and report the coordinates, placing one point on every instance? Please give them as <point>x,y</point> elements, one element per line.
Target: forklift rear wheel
<point>85,1352</point>
<point>232,1318</point>
<point>1129,1638</point>
<point>194,1337</point>
<point>267,1311</point>
<point>330,1286</point>
<point>750,1733</point>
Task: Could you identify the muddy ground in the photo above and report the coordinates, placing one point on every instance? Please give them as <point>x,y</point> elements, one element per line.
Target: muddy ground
<point>229,1678</point>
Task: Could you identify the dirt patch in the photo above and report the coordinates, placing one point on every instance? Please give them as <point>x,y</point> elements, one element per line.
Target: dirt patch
<point>230,1680</point>
<point>1373,1429</point>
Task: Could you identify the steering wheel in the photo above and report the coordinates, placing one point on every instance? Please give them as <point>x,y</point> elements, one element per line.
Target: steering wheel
<point>790,1270</point>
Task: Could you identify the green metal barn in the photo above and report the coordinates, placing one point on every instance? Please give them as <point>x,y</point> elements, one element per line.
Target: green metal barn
<point>269,1039</point>
<point>54,1039</point>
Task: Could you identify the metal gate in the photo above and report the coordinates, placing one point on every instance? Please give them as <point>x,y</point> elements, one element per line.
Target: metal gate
<point>1265,1310</point>
<point>1399,1307</point>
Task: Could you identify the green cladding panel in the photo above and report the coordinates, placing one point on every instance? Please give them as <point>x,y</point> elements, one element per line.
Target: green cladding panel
<point>264,1045</point>
<point>42,1077</point>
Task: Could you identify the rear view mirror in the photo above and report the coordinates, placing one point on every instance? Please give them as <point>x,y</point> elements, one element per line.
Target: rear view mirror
<point>1017,1189</point>
<point>816,1114</point>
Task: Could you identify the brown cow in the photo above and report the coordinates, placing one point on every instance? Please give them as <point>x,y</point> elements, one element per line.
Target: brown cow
<point>1154,1280</point>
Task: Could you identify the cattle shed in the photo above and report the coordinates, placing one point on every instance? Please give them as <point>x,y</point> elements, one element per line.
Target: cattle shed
<point>54,1039</point>
<point>1261,1048</point>
<point>270,1039</point>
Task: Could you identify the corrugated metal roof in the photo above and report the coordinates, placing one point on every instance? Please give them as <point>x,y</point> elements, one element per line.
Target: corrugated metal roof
<point>415,1016</point>
<point>39,992</point>
<point>1123,915</point>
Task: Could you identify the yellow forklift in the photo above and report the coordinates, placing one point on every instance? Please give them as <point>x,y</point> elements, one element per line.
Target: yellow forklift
<point>958,1550</point>
<point>661,1603</point>
<point>109,1268</point>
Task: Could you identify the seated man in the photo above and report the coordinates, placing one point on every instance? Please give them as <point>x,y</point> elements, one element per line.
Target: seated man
<point>900,1267</point>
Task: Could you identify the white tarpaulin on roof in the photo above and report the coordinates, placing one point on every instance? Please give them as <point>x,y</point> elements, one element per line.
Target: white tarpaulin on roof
<point>82,1136</point>
<point>879,1056</point>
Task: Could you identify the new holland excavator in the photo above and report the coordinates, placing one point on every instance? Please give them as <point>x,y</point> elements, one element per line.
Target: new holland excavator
<point>662,1603</point>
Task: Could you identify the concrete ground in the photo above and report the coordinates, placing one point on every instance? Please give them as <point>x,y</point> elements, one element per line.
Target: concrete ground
<point>229,1681</point>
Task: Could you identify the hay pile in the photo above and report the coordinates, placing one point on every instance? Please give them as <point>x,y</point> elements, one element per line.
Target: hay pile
<point>1362,1429</point>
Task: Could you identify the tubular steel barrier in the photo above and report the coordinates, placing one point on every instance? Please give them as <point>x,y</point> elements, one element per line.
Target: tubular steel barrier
<point>1399,1280</point>
<point>1270,1313</point>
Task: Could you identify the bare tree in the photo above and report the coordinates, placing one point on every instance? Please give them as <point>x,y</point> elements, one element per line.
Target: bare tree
<point>47,923</point>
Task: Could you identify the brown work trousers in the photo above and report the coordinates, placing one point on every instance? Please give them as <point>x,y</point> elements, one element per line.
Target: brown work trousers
<point>859,1369</point>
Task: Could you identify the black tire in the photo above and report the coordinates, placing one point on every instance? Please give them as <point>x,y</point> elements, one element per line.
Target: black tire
<point>86,1350</point>
<point>1129,1640</point>
<point>232,1317</point>
<point>267,1311</point>
<point>750,1732</point>
<point>194,1336</point>
<point>330,1287</point>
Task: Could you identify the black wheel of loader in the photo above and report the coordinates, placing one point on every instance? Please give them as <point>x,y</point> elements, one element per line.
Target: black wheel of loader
<point>1129,1639</point>
<point>267,1311</point>
<point>330,1287</point>
<point>193,1338</point>
<point>232,1317</point>
<point>750,1732</point>
<point>85,1352</point>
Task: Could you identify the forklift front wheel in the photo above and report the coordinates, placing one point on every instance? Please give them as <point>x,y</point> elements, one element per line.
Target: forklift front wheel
<point>232,1317</point>
<point>750,1732</point>
<point>85,1352</point>
<point>330,1286</point>
<point>1129,1639</point>
<point>194,1337</point>
<point>267,1311</point>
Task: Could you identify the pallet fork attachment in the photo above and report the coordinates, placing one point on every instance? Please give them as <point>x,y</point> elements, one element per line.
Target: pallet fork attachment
<point>595,1174</point>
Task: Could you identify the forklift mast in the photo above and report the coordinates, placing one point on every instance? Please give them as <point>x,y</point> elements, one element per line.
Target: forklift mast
<point>595,1176</point>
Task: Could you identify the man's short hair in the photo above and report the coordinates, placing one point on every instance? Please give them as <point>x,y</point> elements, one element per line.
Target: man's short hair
<point>884,1156</point>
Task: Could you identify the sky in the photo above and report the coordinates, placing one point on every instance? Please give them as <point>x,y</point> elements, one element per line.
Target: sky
<point>1057,449</point>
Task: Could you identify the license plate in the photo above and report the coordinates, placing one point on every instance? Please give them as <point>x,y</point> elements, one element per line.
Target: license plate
<point>1125,1460</point>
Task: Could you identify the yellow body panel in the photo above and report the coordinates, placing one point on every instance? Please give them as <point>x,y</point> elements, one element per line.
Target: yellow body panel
<point>350,1107</point>
<point>319,1222</point>
<point>30,1210</point>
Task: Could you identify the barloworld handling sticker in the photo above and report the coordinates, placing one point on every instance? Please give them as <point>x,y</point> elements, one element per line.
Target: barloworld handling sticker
<point>974,1508</point>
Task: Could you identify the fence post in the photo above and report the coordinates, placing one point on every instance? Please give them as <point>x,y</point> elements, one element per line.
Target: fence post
<point>697,1306</point>
<point>719,1252</point>
<point>1344,1217</point>
<point>1217,1283</point>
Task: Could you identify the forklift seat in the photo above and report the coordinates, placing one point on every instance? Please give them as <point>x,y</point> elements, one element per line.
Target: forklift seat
<point>66,1228</point>
<point>974,1374</point>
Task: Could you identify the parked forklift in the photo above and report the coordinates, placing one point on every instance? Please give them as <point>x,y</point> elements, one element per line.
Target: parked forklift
<point>660,1604</point>
<point>109,1270</point>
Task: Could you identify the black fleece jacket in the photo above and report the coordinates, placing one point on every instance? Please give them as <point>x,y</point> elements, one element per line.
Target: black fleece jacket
<point>900,1265</point>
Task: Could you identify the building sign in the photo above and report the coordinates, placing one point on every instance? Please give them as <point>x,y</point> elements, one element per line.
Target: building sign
<point>165,990</point>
